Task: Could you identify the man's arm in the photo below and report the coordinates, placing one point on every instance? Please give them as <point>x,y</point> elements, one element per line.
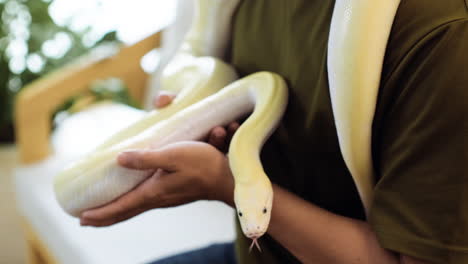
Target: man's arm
<point>315,235</point>
<point>312,234</point>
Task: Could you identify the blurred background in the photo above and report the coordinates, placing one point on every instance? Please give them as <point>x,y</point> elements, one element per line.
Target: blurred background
<point>40,36</point>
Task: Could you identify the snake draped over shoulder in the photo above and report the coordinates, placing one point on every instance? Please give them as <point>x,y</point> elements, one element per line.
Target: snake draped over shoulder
<point>210,95</point>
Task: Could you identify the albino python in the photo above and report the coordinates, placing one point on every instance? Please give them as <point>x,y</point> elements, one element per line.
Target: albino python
<point>358,37</point>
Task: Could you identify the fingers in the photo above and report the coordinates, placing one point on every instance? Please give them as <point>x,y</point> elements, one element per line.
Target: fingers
<point>146,160</point>
<point>220,137</point>
<point>163,99</point>
<point>217,137</point>
<point>99,221</point>
<point>127,206</point>
<point>231,129</point>
<point>146,196</point>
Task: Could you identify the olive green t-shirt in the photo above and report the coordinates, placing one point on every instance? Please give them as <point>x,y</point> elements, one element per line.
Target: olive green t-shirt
<point>420,130</point>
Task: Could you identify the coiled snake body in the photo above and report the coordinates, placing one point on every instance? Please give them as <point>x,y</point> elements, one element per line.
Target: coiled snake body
<point>358,38</point>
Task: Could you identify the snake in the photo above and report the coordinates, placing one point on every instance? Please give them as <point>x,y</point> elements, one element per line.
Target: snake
<point>212,95</point>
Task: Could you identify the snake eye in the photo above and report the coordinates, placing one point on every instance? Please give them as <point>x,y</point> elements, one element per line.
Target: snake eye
<point>264,210</point>
<point>240,213</point>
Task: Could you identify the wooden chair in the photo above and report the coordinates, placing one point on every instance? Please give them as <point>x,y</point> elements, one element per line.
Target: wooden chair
<point>53,236</point>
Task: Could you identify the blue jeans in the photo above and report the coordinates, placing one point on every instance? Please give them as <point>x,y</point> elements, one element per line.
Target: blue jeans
<point>214,254</point>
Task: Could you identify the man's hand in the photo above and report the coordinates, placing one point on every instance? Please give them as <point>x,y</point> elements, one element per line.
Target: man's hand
<point>184,172</point>
<point>219,136</point>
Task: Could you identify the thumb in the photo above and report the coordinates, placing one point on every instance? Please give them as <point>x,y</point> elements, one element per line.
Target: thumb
<point>163,99</point>
<point>146,159</point>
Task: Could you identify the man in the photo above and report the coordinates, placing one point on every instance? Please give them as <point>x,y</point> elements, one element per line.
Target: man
<point>420,150</point>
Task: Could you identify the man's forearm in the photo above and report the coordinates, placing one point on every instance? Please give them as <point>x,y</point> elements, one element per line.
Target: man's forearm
<point>317,236</point>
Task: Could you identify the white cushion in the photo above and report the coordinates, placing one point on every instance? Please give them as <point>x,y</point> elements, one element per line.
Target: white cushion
<point>144,238</point>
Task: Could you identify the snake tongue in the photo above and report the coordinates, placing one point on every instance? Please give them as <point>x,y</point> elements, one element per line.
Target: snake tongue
<point>255,242</point>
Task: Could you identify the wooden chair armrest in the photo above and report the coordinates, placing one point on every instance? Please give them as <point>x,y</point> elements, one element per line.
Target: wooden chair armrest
<point>36,103</point>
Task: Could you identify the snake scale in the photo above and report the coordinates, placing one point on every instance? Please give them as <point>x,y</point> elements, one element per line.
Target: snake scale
<point>210,96</point>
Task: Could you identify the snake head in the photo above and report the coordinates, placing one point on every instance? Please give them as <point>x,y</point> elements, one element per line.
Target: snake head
<point>254,203</point>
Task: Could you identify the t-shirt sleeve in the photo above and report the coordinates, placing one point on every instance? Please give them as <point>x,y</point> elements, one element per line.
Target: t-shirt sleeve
<point>421,150</point>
